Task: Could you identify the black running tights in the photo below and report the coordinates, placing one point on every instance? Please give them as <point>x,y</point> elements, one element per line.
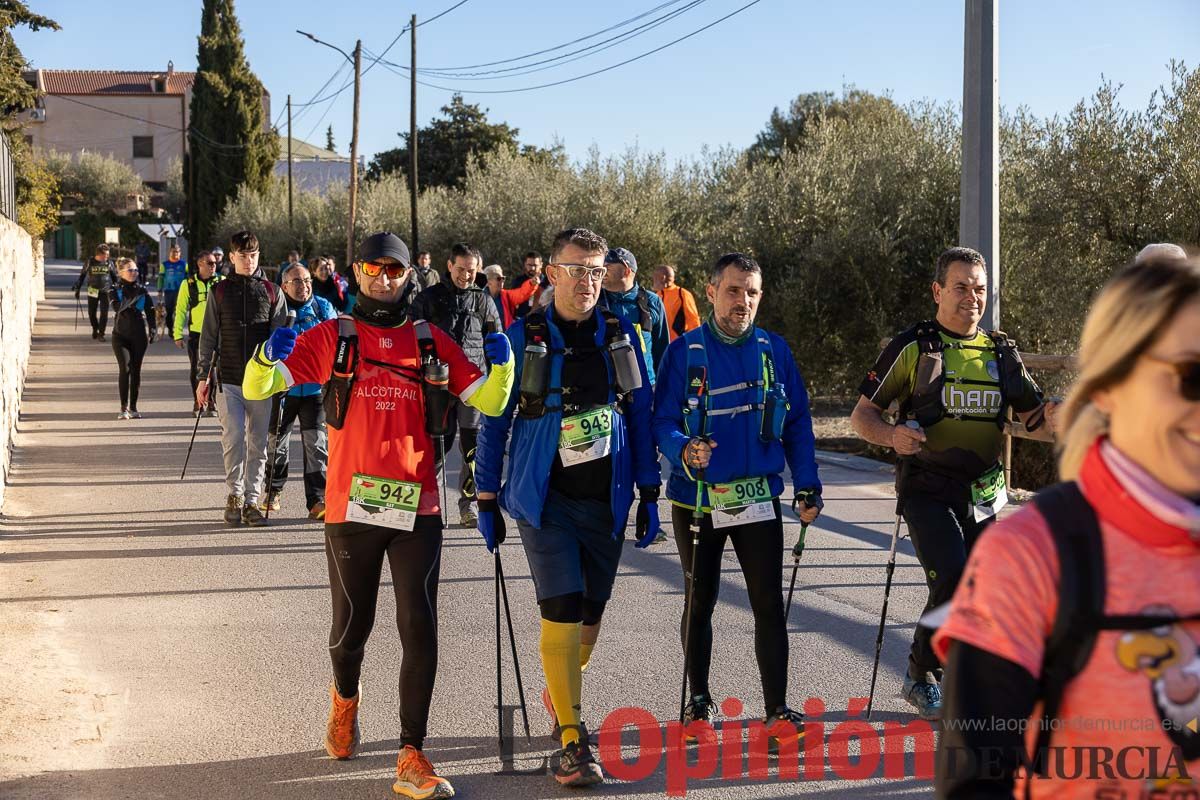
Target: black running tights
<point>355,554</point>
<point>759,548</point>
<point>130,350</point>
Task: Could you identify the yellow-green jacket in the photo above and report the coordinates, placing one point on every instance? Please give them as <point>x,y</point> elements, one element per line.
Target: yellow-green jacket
<point>189,311</point>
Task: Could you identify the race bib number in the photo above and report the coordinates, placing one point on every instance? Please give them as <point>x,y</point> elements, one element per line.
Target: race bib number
<point>93,291</point>
<point>741,502</point>
<point>379,501</point>
<point>586,437</point>
<point>989,494</point>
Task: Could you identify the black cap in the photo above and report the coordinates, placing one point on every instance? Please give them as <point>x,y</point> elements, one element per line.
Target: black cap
<point>381,245</point>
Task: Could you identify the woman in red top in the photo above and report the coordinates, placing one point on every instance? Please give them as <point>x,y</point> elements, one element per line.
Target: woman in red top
<point>1127,723</point>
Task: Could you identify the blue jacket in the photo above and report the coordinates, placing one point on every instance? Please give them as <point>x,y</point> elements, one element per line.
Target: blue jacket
<point>740,452</point>
<point>535,441</point>
<point>309,315</point>
<point>655,340</point>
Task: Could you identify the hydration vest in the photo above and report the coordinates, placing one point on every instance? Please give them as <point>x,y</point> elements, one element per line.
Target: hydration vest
<point>926,404</point>
<point>771,403</point>
<point>537,329</point>
<point>337,390</point>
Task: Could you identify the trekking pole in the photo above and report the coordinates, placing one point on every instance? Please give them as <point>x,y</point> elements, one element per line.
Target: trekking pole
<point>797,551</point>
<point>512,641</point>
<point>499,665</point>
<point>697,517</point>
<point>78,309</point>
<point>441,446</point>
<point>209,383</point>
<point>276,423</point>
<point>891,568</point>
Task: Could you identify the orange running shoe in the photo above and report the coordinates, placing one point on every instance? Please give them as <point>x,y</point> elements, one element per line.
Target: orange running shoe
<point>415,776</point>
<point>341,732</point>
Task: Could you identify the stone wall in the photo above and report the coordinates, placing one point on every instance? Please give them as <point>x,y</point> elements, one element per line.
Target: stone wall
<point>22,285</point>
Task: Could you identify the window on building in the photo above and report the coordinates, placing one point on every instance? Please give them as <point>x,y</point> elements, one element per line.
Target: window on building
<point>143,147</point>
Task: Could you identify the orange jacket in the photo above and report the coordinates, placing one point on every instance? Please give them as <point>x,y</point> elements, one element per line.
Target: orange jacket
<point>682,315</point>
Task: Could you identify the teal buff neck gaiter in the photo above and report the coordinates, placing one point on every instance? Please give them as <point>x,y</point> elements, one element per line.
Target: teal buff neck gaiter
<point>723,337</point>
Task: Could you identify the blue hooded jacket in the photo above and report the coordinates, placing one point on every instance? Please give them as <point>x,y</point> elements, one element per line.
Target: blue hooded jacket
<point>315,311</point>
<point>535,441</point>
<point>740,452</point>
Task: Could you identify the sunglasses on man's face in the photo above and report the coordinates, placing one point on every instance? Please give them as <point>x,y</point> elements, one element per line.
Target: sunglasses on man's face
<point>372,269</point>
<point>1188,372</point>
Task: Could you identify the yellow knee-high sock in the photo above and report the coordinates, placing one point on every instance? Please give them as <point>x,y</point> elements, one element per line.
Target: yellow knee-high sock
<point>585,655</point>
<point>560,662</point>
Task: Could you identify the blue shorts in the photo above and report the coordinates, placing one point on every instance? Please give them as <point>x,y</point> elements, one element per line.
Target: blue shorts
<point>574,550</point>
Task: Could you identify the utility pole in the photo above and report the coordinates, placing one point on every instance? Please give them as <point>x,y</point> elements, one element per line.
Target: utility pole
<point>979,195</point>
<point>412,135</point>
<point>290,225</point>
<point>354,154</point>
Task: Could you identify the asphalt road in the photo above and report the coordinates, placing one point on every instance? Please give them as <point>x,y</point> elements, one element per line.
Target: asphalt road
<point>151,652</point>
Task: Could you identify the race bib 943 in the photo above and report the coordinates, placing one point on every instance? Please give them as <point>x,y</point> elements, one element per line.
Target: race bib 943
<point>586,437</point>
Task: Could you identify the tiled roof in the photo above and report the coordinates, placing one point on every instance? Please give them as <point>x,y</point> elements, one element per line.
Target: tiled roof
<point>86,81</point>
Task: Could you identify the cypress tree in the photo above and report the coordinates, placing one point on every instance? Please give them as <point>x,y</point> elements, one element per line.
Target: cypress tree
<point>228,137</point>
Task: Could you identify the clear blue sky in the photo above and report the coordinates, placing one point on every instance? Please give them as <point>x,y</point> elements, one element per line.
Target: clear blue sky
<point>716,88</point>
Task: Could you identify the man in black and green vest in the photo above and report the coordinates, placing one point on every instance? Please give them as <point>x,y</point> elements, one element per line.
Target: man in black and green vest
<point>954,383</point>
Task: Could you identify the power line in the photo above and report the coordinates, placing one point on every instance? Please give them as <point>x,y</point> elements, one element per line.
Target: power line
<point>190,130</point>
<point>375,60</point>
<point>567,58</point>
<point>594,72</point>
<point>435,17</point>
<point>620,24</point>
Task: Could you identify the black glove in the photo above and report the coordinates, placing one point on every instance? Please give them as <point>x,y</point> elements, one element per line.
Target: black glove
<point>811,498</point>
<point>491,523</point>
<point>76,294</point>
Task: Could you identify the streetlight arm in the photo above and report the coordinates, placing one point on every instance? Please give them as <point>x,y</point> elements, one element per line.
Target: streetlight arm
<point>327,44</point>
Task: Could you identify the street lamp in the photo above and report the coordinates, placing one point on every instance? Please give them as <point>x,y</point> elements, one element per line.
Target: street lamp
<point>357,61</point>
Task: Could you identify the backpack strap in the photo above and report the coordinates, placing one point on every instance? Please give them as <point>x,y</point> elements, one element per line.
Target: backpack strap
<point>695,394</point>
<point>926,402</point>
<point>643,304</point>
<point>537,329</point>
<point>345,356</point>
<point>426,346</point>
<point>1081,588</point>
<point>678,324</point>
<point>194,293</point>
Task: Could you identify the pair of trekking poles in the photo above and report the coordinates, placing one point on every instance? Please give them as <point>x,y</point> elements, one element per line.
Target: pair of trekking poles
<point>797,552</point>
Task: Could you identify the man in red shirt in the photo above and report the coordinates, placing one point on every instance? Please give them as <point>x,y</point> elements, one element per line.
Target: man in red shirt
<point>381,494</point>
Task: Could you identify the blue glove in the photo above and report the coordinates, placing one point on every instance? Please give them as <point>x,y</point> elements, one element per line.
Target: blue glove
<point>647,524</point>
<point>280,345</point>
<point>497,349</point>
<point>491,523</point>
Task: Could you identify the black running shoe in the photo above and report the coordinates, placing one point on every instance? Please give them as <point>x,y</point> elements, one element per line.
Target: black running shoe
<point>784,726</point>
<point>577,767</point>
<point>700,709</point>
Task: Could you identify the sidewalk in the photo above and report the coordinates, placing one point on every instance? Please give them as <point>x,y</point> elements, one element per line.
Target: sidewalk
<point>152,652</point>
